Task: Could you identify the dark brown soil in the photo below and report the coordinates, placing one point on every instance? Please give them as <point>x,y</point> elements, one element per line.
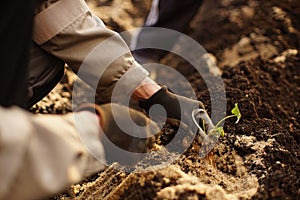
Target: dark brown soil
<point>267,89</point>
<point>256,44</point>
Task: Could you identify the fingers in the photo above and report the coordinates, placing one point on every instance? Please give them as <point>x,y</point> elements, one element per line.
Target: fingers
<point>127,134</point>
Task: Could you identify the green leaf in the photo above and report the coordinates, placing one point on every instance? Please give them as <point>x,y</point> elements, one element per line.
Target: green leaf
<point>217,131</point>
<point>221,131</point>
<point>236,111</point>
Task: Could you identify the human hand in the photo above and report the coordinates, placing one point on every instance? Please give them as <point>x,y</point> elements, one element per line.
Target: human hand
<point>176,107</point>
<point>123,141</point>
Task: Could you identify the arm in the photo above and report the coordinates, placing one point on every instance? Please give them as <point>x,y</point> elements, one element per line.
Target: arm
<point>41,155</point>
<point>101,57</point>
<point>78,35</point>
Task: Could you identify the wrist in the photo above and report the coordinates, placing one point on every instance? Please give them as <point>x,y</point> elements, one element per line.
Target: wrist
<point>146,89</point>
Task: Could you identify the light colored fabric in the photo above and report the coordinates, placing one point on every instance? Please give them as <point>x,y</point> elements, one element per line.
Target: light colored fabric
<point>105,54</point>
<point>41,155</point>
<point>69,8</point>
<point>152,19</point>
<point>154,14</point>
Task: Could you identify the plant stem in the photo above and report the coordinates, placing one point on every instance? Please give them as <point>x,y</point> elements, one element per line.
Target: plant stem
<point>218,124</point>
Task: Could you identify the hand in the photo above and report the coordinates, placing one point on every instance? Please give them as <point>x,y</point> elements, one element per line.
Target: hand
<point>124,142</point>
<point>175,107</point>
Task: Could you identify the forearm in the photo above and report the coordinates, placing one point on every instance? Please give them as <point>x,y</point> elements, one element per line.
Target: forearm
<point>42,155</point>
<point>84,38</point>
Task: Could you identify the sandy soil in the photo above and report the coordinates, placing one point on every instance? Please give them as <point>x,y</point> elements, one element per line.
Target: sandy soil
<point>256,45</point>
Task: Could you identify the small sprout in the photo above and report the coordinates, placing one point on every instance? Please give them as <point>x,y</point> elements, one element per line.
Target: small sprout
<point>217,129</point>
<point>235,113</point>
<point>220,130</point>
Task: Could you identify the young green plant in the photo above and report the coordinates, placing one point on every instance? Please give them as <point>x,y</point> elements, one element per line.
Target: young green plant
<point>217,129</point>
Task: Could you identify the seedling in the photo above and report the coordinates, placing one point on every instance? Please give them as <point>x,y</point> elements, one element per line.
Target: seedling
<point>217,129</point>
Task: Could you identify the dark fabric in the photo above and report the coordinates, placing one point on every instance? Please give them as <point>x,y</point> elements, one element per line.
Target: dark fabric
<point>44,73</point>
<point>172,105</point>
<point>177,14</point>
<point>15,36</point>
<point>173,14</point>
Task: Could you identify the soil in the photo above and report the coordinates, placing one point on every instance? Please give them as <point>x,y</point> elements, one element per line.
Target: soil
<point>256,46</point>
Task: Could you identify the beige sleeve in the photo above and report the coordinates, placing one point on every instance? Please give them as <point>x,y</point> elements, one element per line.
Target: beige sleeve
<point>41,155</point>
<point>68,30</point>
